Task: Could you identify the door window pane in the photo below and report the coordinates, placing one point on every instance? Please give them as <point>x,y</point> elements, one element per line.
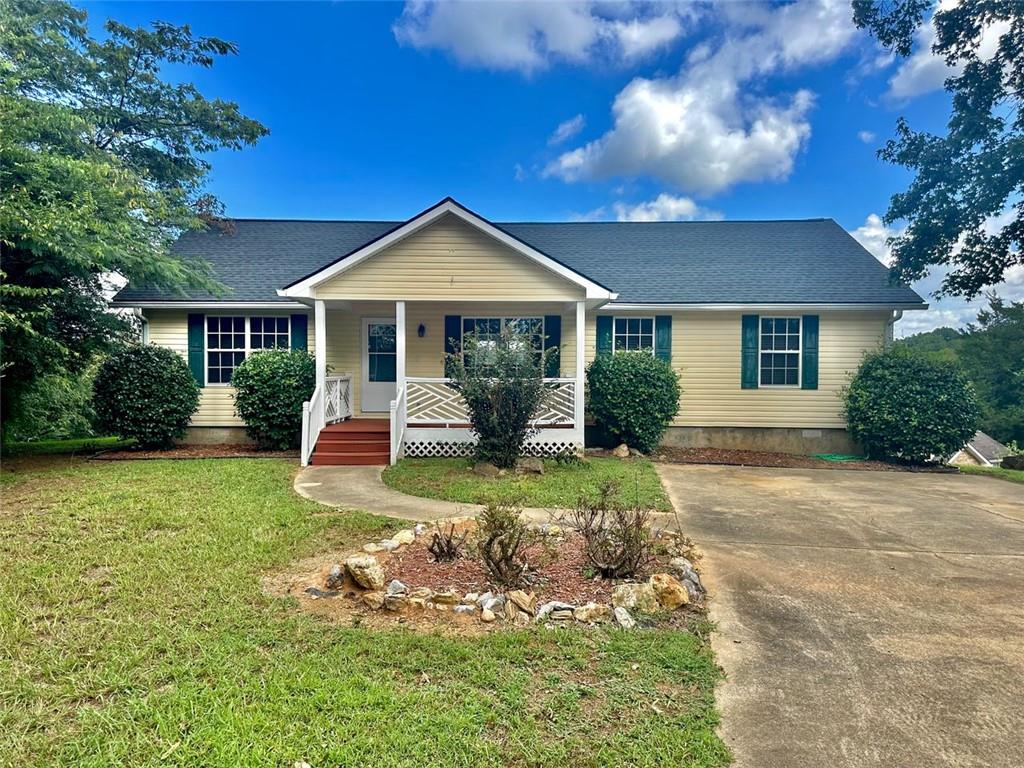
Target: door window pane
<point>382,362</point>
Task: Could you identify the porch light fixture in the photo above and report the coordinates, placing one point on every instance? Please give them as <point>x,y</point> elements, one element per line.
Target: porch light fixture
<point>421,331</point>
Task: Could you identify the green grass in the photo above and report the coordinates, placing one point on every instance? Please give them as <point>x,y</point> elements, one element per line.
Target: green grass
<point>559,486</point>
<point>1013,475</point>
<point>64,447</point>
<point>133,631</point>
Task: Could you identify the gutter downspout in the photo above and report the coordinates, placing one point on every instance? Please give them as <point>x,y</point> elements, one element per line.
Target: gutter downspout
<point>897,315</point>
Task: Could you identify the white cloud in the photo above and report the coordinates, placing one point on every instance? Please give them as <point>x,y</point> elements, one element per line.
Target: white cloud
<point>567,129</point>
<point>529,36</point>
<point>664,207</point>
<point>951,311</point>
<point>866,136</point>
<point>707,128</point>
<point>519,172</point>
<point>924,71</point>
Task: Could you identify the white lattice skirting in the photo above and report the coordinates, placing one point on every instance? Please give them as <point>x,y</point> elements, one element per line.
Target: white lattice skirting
<point>458,443</point>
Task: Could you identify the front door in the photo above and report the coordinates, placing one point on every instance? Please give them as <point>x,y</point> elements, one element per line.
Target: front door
<point>379,364</point>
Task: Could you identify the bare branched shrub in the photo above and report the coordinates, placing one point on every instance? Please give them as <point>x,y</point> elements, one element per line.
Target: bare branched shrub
<point>445,544</point>
<point>503,538</point>
<point>616,538</point>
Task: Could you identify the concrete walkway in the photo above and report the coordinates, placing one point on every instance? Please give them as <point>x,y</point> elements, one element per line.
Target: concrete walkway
<point>362,488</point>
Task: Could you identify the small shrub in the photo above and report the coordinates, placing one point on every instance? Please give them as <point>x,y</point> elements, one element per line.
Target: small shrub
<point>633,397</point>
<point>270,388</point>
<point>503,539</point>
<point>445,545</point>
<point>147,393</point>
<point>904,406</point>
<point>502,383</point>
<point>616,538</point>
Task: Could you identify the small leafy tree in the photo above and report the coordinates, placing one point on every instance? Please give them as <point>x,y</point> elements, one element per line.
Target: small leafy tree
<point>502,382</point>
<point>905,406</point>
<point>270,388</point>
<point>147,393</point>
<point>633,396</point>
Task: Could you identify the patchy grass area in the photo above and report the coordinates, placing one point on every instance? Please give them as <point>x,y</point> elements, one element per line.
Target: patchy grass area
<point>559,486</point>
<point>133,630</point>
<point>81,445</point>
<point>1013,475</point>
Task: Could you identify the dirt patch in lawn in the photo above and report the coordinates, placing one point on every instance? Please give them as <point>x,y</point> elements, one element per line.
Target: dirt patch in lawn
<point>768,459</point>
<point>225,451</point>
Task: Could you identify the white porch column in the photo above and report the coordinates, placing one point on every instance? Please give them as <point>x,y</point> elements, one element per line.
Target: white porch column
<point>581,319</point>
<point>399,345</point>
<point>320,342</point>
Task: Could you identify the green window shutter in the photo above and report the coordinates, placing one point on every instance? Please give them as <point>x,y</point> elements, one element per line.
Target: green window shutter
<point>604,334</point>
<point>809,347</point>
<point>663,337</point>
<point>553,332</point>
<point>300,332</point>
<point>452,338</point>
<point>197,348</point>
<point>749,345</point>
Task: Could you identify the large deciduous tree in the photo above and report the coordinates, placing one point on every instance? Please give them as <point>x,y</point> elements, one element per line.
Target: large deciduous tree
<point>101,167</point>
<point>965,207</point>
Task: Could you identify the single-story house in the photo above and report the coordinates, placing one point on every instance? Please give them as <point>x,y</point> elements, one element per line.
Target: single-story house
<point>763,320</point>
<point>981,451</point>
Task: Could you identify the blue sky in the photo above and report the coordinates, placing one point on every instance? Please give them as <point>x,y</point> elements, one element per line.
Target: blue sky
<point>734,110</point>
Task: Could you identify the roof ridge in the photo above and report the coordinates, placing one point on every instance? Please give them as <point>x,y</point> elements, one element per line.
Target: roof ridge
<point>494,221</point>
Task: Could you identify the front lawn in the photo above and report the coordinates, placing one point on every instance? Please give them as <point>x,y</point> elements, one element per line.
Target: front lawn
<point>560,485</point>
<point>134,631</point>
<point>1013,475</point>
<point>78,445</point>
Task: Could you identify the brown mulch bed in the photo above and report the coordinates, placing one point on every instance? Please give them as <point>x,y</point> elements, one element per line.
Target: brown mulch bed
<point>196,452</point>
<point>768,459</point>
<point>559,562</point>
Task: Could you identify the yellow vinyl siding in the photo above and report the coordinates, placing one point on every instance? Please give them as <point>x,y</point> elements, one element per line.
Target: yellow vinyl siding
<point>706,352</point>
<point>449,260</point>
<point>425,356</point>
<point>169,328</point>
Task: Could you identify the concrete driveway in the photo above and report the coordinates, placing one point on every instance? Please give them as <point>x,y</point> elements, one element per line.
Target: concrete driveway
<point>865,618</point>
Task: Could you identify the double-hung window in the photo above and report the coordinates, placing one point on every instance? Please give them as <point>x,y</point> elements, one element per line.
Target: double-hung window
<point>229,339</point>
<point>488,330</point>
<point>779,354</point>
<point>633,333</point>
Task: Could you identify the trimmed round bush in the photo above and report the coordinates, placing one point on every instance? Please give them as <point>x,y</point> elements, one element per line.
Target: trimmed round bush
<point>901,405</point>
<point>633,397</point>
<point>270,388</point>
<point>145,392</point>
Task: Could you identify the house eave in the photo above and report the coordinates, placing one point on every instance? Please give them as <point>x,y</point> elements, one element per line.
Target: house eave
<point>188,304</point>
<point>756,307</point>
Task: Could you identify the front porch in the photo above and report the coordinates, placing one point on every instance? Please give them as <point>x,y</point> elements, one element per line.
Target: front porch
<point>381,364</point>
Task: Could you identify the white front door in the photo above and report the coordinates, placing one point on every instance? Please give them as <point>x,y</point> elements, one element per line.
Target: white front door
<point>379,364</point>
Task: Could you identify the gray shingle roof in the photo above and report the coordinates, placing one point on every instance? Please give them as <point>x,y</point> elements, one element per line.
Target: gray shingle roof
<point>722,262</point>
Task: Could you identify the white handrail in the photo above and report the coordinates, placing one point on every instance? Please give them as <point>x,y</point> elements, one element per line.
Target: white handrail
<point>313,420</point>
<point>398,420</point>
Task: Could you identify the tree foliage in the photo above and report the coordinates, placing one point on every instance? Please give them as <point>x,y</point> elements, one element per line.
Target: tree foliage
<point>633,396</point>
<point>965,207</point>
<point>147,393</point>
<point>502,382</point>
<point>101,168</point>
<point>270,388</point>
<point>906,406</point>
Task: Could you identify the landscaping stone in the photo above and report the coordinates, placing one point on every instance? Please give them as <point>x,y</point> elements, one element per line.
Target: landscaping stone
<point>525,601</point>
<point>684,570</point>
<point>671,594</point>
<point>471,597</point>
<point>335,577</point>
<point>555,605</point>
<point>482,599</point>
<point>485,469</point>
<point>365,571</point>
<point>496,604</point>
<point>636,453</point>
<point>593,613</point>
<point>487,616</point>
<point>372,548</point>
<point>396,603</point>
<point>408,536</point>
<point>397,588</point>
<point>423,593</point>
<point>530,465</point>
<point>637,597</point>
<point>387,545</point>
<point>692,590</point>
<point>621,451</point>
<point>419,529</point>
<point>562,615</point>
<point>447,597</point>
<point>522,618</point>
<point>314,592</point>
<point>510,610</point>
<point>417,603</point>
<point>623,619</point>
<point>373,600</point>
<point>465,609</point>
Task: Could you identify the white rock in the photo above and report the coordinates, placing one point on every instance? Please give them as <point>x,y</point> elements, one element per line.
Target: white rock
<point>636,597</point>
<point>471,597</point>
<point>388,545</point>
<point>397,588</point>
<point>621,451</point>
<point>365,571</point>
<point>419,529</point>
<point>487,616</point>
<point>464,609</point>
<point>546,610</point>
<point>623,618</point>
<point>408,536</point>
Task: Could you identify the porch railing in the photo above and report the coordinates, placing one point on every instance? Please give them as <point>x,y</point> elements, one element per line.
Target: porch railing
<point>398,423</point>
<point>430,401</point>
<point>327,404</point>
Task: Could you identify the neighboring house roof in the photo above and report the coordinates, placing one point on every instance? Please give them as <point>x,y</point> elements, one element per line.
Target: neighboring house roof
<point>986,448</point>
<point>812,261</point>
